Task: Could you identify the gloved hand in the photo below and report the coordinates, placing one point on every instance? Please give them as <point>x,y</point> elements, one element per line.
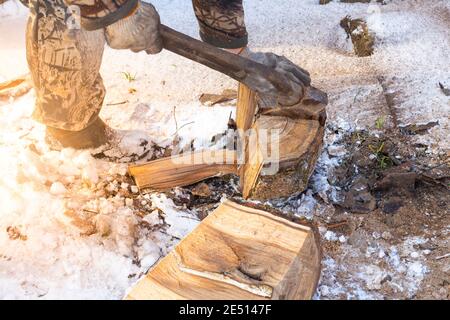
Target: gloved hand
<point>137,32</point>
<point>297,77</point>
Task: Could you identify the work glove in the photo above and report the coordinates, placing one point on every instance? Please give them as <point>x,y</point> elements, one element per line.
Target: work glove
<point>137,32</point>
<point>298,79</point>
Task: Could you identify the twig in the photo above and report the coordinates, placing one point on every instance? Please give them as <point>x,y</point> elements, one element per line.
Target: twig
<point>337,225</point>
<point>117,103</point>
<point>435,167</point>
<point>184,125</point>
<point>443,257</point>
<point>90,211</point>
<point>175,118</point>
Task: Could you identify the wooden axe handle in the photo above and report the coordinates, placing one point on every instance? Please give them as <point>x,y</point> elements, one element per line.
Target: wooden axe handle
<point>232,65</point>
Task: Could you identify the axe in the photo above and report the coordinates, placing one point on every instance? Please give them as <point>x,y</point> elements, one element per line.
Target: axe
<point>234,66</point>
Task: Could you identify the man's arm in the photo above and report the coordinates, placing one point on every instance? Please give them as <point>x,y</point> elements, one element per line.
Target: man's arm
<point>222,25</point>
<point>128,24</point>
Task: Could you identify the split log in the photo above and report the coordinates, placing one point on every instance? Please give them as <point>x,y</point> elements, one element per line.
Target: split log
<point>245,115</point>
<point>238,252</point>
<point>299,142</point>
<point>185,169</point>
<point>301,132</point>
<point>246,107</point>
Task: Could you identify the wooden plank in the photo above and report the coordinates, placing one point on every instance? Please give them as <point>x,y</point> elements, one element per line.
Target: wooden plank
<point>251,170</point>
<point>184,169</point>
<point>246,107</point>
<point>245,116</point>
<point>238,252</point>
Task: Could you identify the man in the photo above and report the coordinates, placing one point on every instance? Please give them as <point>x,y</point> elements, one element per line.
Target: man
<point>65,60</point>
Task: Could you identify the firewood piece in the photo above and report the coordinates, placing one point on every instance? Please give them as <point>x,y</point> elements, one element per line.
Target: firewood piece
<point>238,252</point>
<point>245,115</point>
<point>299,144</point>
<point>184,169</point>
<point>246,107</point>
<point>250,171</point>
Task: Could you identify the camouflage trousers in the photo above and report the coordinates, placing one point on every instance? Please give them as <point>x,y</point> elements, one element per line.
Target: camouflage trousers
<point>65,60</point>
<point>221,22</point>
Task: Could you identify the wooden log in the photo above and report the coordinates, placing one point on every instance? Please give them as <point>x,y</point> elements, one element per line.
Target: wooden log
<point>301,137</point>
<point>238,252</point>
<point>246,107</point>
<point>299,142</point>
<point>184,169</point>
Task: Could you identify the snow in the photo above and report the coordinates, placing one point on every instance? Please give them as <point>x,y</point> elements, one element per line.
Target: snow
<point>404,274</point>
<point>330,236</point>
<point>48,196</point>
<point>57,188</point>
<point>12,9</point>
<point>56,199</point>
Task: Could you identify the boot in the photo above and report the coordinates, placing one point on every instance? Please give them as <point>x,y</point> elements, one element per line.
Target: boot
<point>91,137</point>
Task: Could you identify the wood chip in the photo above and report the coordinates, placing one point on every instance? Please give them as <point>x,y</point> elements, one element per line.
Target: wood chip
<point>210,100</point>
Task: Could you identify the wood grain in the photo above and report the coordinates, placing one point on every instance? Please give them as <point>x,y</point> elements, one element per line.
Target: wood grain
<point>299,142</point>
<point>245,117</point>
<point>238,252</point>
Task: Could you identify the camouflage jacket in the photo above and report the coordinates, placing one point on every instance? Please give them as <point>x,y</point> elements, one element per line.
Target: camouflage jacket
<point>221,21</point>
<point>95,14</point>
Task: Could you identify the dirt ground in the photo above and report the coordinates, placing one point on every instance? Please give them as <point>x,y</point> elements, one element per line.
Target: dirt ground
<point>384,209</point>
